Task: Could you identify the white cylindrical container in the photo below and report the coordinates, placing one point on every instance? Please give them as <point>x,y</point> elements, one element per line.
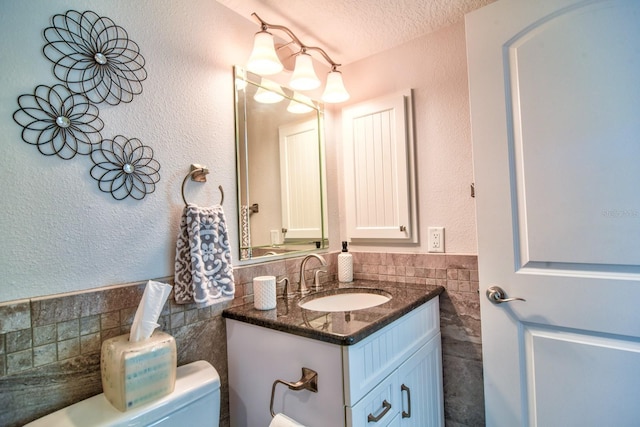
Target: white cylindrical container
<point>264,292</point>
<point>345,265</point>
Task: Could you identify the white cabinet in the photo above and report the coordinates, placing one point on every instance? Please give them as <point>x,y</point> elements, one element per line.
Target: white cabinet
<point>395,422</point>
<point>410,396</point>
<point>422,401</point>
<point>374,378</point>
<point>379,169</point>
<point>408,357</point>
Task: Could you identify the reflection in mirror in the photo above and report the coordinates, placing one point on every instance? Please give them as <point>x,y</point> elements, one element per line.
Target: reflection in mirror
<point>280,170</point>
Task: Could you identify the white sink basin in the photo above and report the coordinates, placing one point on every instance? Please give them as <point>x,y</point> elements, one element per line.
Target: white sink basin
<point>347,299</point>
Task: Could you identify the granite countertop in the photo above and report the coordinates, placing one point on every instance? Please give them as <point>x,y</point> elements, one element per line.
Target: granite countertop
<point>341,327</point>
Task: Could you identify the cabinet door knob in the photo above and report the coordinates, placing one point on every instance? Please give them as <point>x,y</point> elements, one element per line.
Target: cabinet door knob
<point>407,414</point>
<point>387,406</point>
<point>403,228</point>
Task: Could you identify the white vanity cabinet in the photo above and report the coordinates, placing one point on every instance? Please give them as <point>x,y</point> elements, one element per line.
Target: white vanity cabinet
<point>398,367</point>
<point>397,372</point>
<point>422,401</point>
<point>413,394</point>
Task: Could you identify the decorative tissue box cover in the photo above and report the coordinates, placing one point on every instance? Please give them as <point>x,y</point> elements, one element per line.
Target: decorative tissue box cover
<point>139,372</point>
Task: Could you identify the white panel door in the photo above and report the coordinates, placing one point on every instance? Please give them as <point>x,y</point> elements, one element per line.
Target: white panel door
<point>300,180</point>
<point>555,110</point>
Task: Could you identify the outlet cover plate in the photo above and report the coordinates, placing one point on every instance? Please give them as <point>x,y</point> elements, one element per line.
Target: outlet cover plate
<point>435,240</point>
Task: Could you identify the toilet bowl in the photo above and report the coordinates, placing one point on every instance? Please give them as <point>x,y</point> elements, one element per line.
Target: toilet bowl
<point>195,402</point>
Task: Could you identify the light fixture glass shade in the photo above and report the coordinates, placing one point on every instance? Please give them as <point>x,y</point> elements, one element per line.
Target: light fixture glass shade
<point>268,92</point>
<point>264,59</point>
<point>335,91</point>
<point>300,104</point>
<point>304,76</point>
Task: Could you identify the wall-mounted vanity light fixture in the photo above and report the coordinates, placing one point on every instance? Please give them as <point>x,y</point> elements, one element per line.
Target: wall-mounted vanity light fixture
<point>300,104</point>
<point>268,92</point>
<point>264,61</point>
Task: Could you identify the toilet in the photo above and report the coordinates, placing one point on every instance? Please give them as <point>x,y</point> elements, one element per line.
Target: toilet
<point>195,402</point>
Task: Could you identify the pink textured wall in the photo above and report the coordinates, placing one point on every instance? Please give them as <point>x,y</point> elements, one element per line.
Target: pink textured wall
<point>435,67</point>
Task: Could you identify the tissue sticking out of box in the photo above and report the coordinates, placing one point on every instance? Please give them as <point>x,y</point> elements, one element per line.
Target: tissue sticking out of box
<point>146,317</point>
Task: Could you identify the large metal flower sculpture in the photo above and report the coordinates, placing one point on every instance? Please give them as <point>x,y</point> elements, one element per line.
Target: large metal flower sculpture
<point>124,167</point>
<point>94,56</point>
<point>59,122</point>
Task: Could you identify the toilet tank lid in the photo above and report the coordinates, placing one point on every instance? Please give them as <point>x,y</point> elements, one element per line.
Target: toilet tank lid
<point>197,374</point>
<point>193,381</point>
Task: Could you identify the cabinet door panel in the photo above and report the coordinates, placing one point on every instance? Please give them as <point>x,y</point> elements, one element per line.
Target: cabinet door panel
<point>420,382</point>
<point>395,422</point>
<point>368,362</point>
<point>379,169</point>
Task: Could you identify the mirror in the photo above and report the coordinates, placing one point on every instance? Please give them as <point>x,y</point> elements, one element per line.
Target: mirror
<point>280,170</point>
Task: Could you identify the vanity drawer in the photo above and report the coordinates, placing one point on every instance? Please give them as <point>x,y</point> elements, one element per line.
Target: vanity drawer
<point>381,402</point>
<point>371,360</point>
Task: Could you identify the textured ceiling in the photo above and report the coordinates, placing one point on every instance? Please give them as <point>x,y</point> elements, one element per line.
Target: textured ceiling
<point>354,29</point>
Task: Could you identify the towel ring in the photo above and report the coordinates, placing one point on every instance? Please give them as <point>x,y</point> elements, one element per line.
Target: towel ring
<point>308,381</point>
<point>199,173</point>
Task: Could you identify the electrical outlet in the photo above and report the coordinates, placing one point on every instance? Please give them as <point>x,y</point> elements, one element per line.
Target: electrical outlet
<point>275,237</point>
<point>435,239</point>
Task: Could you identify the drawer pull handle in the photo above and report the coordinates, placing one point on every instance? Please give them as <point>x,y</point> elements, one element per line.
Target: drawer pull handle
<point>387,406</point>
<point>408,390</point>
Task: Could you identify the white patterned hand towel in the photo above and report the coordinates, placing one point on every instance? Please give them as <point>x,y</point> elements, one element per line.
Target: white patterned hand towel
<point>281,420</point>
<point>203,269</point>
<point>245,236</point>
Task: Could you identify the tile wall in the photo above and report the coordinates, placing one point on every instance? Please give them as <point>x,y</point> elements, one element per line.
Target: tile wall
<point>50,346</point>
<point>459,321</point>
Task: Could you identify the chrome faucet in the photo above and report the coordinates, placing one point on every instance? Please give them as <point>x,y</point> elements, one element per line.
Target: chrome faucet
<point>302,289</point>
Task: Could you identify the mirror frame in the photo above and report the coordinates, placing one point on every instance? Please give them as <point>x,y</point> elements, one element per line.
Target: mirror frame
<point>287,247</point>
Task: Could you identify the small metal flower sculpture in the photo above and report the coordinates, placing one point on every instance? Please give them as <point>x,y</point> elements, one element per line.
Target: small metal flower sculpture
<point>124,167</point>
<point>94,56</point>
<point>59,122</point>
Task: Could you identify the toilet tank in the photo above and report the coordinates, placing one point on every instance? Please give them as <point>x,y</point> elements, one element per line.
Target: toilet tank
<point>195,402</point>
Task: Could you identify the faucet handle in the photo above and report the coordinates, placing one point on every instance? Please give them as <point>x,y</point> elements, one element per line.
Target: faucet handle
<point>316,279</point>
<point>287,293</point>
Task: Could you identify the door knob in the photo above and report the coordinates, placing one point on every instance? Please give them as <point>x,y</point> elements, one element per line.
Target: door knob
<point>497,295</point>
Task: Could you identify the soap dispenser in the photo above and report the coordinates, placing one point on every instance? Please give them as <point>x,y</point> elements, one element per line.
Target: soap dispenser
<point>345,265</point>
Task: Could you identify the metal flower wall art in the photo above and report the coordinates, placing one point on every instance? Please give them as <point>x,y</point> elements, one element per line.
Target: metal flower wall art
<point>124,167</point>
<point>94,56</point>
<point>98,63</point>
<point>59,122</point>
